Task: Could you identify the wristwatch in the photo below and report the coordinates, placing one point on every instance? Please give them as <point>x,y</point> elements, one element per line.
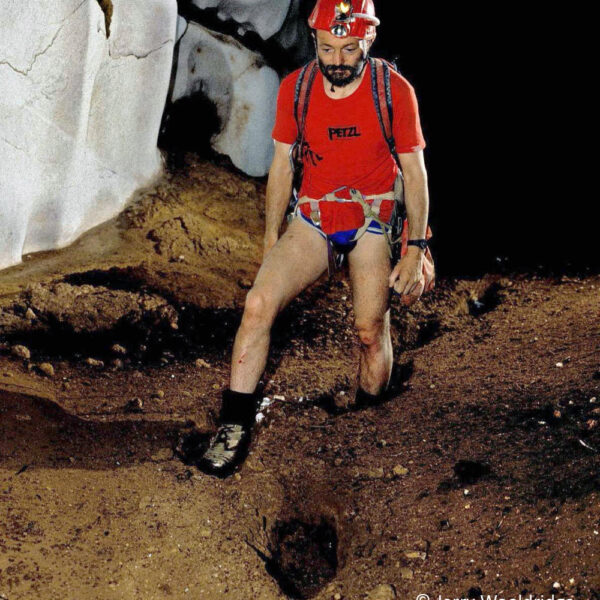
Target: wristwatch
<point>423,244</point>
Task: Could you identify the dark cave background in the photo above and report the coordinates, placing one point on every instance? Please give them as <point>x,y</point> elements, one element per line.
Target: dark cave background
<point>501,199</point>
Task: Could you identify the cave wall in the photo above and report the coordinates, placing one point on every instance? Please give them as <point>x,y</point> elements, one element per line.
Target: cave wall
<point>83,86</point>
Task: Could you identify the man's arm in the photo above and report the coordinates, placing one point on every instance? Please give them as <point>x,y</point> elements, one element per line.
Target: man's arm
<point>408,271</point>
<point>279,190</point>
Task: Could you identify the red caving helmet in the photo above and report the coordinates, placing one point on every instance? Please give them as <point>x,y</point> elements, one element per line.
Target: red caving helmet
<point>345,19</point>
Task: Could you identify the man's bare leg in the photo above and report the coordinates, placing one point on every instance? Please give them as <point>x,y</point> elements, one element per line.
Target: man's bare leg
<point>370,268</point>
<point>296,261</point>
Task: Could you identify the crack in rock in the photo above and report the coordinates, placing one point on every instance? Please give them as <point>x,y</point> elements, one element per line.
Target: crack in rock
<point>140,56</point>
<point>26,72</point>
<point>107,8</point>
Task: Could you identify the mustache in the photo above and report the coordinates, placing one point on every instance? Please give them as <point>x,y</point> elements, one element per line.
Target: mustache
<point>337,69</point>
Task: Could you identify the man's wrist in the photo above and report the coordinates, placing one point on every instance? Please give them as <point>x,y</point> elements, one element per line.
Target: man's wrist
<point>414,251</point>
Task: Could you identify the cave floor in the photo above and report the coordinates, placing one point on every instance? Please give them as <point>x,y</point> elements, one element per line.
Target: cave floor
<point>479,475</point>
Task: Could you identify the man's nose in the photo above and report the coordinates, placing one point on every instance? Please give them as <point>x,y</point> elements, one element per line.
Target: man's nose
<point>337,58</point>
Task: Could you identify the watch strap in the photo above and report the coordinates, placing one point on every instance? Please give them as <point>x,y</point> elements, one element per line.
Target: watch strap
<point>423,244</point>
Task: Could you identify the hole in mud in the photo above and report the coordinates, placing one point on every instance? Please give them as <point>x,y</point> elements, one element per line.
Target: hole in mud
<point>428,331</point>
<point>489,300</point>
<point>466,472</point>
<point>470,471</point>
<point>191,446</point>
<point>303,556</point>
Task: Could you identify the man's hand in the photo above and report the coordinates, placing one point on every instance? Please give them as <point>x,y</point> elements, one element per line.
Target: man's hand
<point>408,273</point>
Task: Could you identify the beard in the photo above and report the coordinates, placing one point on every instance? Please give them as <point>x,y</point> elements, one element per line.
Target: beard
<point>341,76</point>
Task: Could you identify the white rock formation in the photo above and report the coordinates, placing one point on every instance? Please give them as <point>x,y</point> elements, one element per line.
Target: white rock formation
<point>241,86</point>
<point>265,17</point>
<point>79,114</point>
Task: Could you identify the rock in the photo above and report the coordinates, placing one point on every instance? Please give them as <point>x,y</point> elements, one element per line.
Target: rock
<point>374,473</point>
<point>382,592</point>
<point>21,351</point>
<point>94,362</point>
<point>84,78</point>
<point>202,364</point>
<point>205,532</point>
<point>245,284</point>
<point>596,411</point>
<point>264,17</point>
<point>591,424</point>
<point>158,394</point>
<point>30,315</point>
<point>406,573</point>
<point>242,88</point>
<point>47,369</point>
<point>399,470</point>
<point>118,349</point>
<point>117,363</point>
<point>135,405</point>
<point>415,554</point>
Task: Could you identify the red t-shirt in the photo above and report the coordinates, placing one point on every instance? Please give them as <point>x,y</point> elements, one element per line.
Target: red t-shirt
<point>346,146</point>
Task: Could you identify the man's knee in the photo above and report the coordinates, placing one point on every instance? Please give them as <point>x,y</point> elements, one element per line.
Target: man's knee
<point>371,332</point>
<point>260,307</point>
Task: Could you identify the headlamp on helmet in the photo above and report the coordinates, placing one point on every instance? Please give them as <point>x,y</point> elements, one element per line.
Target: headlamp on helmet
<point>344,17</point>
<point>340,19</point>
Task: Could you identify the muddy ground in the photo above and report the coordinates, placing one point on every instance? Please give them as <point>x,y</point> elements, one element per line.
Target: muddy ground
<point>480,475</point>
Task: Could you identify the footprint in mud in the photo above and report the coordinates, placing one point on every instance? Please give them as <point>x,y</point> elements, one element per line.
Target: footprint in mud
<point>466,472</point>
<point>191,446</point>
<point>303,556</point>
<point>335,403</point>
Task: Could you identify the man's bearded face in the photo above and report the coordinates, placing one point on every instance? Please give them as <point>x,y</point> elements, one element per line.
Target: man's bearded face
<point>341,60</point>
<point>342,75</point>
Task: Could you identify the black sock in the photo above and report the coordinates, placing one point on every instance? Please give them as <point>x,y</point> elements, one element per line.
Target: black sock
<point>238,408</point>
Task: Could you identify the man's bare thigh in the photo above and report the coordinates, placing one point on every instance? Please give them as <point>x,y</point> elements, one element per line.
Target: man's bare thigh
<point>296,261</point>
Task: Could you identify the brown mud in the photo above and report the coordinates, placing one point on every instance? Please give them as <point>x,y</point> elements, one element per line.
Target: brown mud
<point>480,474</point>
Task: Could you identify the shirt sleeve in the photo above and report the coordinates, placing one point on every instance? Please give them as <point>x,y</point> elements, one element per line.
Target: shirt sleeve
<point>407,124</point>
<point>285,129</point>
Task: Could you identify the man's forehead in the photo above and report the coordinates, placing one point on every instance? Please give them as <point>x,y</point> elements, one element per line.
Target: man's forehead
<point>324,37</point>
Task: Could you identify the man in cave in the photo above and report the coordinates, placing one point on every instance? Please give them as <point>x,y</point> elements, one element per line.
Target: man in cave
<point>345,206</point>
